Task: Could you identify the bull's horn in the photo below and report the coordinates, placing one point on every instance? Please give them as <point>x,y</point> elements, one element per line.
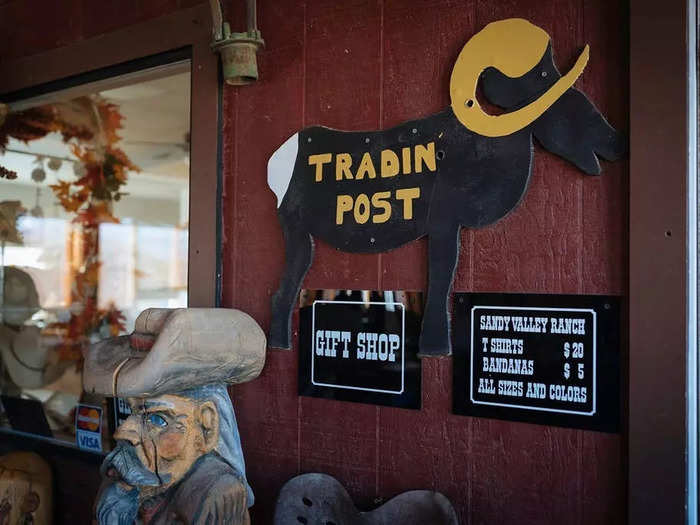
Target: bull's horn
<point>513,46</point>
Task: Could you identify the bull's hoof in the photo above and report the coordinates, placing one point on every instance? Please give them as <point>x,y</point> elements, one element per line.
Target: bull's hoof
<point>279,341</point>
<point>434,347</point>
<point>279,336</point>
<point>434,352</point>
<point>280,328</point>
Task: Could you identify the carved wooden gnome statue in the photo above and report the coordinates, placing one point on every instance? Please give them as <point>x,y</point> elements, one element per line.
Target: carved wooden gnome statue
<point>178,457</point>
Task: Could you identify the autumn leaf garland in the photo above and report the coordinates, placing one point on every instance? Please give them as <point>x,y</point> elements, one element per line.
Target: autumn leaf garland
<point>103,172</point>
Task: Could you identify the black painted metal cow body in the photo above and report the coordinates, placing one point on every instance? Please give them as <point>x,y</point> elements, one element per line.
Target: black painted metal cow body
<point>375,191</point>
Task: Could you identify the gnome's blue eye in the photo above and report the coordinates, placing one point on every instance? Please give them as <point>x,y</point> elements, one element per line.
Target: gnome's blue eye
<point>159,421</point>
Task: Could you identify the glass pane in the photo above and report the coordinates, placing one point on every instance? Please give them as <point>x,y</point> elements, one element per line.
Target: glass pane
<point>94,200</point>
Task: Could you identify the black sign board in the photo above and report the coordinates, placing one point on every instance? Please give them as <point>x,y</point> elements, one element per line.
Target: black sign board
<point>26,415</point>
<point>360,346</point>
<point>119,410</point>
<point>547,359</point>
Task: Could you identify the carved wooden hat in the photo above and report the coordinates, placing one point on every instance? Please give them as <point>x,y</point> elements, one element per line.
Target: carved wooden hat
<point>172,350</point>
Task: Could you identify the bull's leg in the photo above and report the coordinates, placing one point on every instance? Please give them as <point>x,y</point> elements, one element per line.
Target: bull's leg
<point>443,249</point>
<point>299,249</point>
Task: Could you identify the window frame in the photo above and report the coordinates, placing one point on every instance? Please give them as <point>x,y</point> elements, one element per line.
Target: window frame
<point>183,35</point>
<point>155,42</point>
<point>661,428</point>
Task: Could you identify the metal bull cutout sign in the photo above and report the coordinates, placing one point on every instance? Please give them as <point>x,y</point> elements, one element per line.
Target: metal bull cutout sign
<point>369,192</point>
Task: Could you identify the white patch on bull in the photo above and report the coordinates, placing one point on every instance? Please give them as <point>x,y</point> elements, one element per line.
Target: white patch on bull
<point>280,167</point>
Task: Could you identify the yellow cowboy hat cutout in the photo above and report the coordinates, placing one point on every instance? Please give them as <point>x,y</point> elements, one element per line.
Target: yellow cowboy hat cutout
<point>513,46</point>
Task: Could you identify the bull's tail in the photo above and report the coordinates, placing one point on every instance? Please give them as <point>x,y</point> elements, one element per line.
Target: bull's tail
<point>280,167</point>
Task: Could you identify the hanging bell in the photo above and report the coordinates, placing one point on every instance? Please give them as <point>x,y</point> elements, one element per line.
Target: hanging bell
<point>38,175</point>
<point>54,164</point>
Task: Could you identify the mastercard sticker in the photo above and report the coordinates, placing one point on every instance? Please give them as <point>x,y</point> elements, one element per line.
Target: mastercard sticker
<point>88,427</point>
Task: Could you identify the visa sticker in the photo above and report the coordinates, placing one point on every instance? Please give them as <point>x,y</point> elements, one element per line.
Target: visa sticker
<point>88,427</point>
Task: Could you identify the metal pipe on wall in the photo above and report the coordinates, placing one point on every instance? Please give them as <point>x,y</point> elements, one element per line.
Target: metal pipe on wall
<point>251,16</point>
<point>238,50</point>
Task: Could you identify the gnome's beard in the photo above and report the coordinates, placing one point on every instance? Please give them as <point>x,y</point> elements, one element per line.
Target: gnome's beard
<point>119,505</point>
<point>123,464</point>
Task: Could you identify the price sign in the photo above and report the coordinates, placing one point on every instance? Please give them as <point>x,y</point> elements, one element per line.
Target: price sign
<point>548,359</point>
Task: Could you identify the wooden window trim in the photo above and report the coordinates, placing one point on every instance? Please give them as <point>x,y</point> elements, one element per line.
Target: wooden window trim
<point>658,293</point>
<point>187,28</point>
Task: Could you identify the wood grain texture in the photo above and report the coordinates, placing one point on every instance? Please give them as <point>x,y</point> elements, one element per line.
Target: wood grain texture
<point>426,449</point>
<point>366,64</point>
<point>342,74</point>
<point>252,249</point>
<point>341,90</point>
<point>33,27</point>
<point>606,259</point>
<point>171,350</point>
<point>658,270</point>
<point>537,249</point>
<point>24,33</point>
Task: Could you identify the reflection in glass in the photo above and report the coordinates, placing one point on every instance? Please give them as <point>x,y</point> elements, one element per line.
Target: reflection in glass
<point>412,301</point>
<point>94,200</point>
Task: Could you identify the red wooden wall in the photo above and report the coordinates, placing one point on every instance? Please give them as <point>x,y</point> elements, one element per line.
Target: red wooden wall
<point>367,64</point>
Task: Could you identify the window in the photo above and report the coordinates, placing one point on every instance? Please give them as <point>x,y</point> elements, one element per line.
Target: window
<point>94,228</point>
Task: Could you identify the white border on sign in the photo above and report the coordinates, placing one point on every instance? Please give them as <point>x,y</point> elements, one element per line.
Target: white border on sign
<point>348,387</point>
<point>526,407</point>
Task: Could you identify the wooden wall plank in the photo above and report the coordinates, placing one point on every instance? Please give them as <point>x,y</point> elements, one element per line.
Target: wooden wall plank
<point>605,227</point>
<point>426,449</point>
<point>342,91</point>
<point>369,64</point>
<point>537,248</point>
<point>253,254</point>
<point>342,62</point>
<point>24,33</point>
<point>102,17</point>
